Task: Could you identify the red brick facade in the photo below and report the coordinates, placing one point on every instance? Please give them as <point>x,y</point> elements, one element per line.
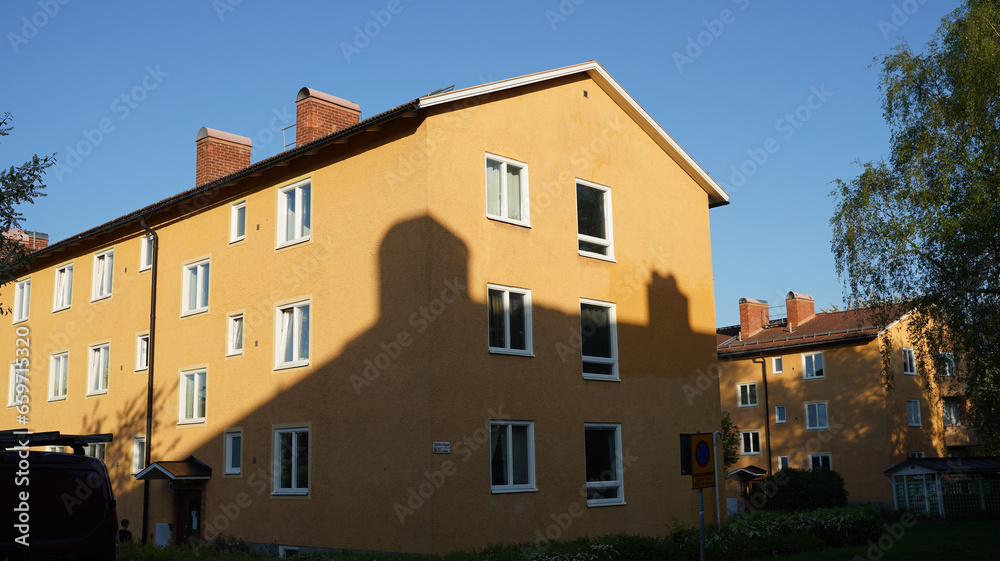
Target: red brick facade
<point>220,154</point>
<point>753,316</point>
<point>318,114</point>
<point>31,240</point>
<point>800,307</point>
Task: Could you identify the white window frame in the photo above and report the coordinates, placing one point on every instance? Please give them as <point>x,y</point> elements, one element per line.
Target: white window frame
<point>948,361</point>
<point>12,383</point>
<point>820,456</point>
<point>280,339</point>
<point>913,417</point>
<point>228,468</point>
<point>740,393</point>
<point>104,275</point>
<point>507,290</point>
<point>58,375</point>
<point>192,274</point>
<point>818,406</point>
<point>754,437</point>
<point>142,352</point>
<point>22,300</point>
<point>62,296</point>
<point>235,210</point>
<point>299,235</point>
<point>909,362</point>
<point>146,253</point>
<point>98,380</point>
<point>507,427</point>
<point>138,454</point>
<point>613,360</point>
<point>191,382</point>
<point>619,482</point>
<point>957,409</point>
<point>780,415</point>
<point>294,490</point>
<point>915,454</point>
<point>287,551</point>
<point>525,219</point>
<point>608,223</point>
<point>806,366</point>
<point>235,322</point>
<point>783,462</point>
<point>97,450</point>
<point>777,364</point>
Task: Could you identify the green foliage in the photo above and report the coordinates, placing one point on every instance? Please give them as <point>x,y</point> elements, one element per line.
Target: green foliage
<point>798,489</point>
<point>730,441</point>
<point>921,231</point>
<point>18,185</point>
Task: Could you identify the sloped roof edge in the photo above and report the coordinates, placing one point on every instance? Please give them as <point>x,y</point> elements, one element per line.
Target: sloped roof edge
<point>717,195</point>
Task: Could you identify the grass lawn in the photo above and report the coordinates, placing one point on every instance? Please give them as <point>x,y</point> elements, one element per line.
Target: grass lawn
<point>928,540</point>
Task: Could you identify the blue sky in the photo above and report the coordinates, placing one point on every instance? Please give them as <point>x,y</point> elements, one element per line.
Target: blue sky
<point>774,99</point>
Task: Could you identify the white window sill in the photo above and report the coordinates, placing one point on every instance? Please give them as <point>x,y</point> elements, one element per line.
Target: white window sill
<point>505,490</point>
<point>509,221</point>
<point>605,502</point>
<point>290,493</point>
<point>191,421</point>
<point>231,474</point>
<point>512,352</point>
<point>909,373</point>
<point>290,243</point>
<point>234,354</point>
<point>55,399</point>
<point>145,268</point>
<point>747,406</point>
<point>779,422</point>
<point>143,369</point>
<point>602,377</point>
<point>828,428</point>
<point>915,426</point>
<point>17,321</point>
<point>63,309</point>
<point>99,298</point>
<point>237,240</point>
<point>608,258</point>
<point>188,313</point>
<point>813,377</point>
<point>288,365</point>
<point>102,392</point>
<point>749,453</point>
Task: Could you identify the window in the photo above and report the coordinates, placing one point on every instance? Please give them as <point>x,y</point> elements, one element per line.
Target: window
<point>234,338</point>
<point>779,413</point>
<point>748,395</point>
<point>776,365</point>
<point>909,362</point>
<point>293,335</point>
<point>915,455</point>
<point>138,454</point>
<point>593,219</point>
<point>782,462</point>
<point>192,394</point>
<point>287,551</point>
<point>819,461</point>
<point>751,442</point>
<point>22,299</point>
<point>97,370</point>
<point>813,365</point>
<point>598,340</point>
<point>195,289</point>
<point>512,456</point>
<point>293,214</point>
<point>291,461</point>
<point>509,312</point>
<point>146,253</point>
<point>18,377</point>
<point>96,450</point>
<point>64,288</point>
<point>952,414</point>
<point>142,352</point>
<point>103,272</point>
<point>602,448</point>
<point>946,364</point>
<point>816,415</point>
<point>238,222</point>
<point>506,190</point>
<point>234,452</point>
<point>913,412</point>
<point>58,375</point>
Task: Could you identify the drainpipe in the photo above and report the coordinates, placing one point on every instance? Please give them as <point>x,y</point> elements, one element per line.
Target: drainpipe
<point>767,412</point>
<point>149,378</point>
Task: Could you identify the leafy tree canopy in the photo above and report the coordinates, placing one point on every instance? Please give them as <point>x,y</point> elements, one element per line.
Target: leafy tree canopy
<point>923,226</point>
<point>730,442</point>
<point>18,185</point>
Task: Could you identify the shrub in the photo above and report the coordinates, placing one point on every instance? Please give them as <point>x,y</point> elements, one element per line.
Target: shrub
<point>796,489</point>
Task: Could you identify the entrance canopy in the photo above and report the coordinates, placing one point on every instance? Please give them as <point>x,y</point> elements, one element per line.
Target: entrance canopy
<point>946,487</point>
<point>748,473</point>
<point>188,469</point>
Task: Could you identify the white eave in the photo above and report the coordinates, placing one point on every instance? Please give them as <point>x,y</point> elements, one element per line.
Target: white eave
<point>716,195</point>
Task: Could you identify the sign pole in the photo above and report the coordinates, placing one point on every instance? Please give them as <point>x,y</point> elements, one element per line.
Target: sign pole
<point>715,456</point>
<point>701,521</point>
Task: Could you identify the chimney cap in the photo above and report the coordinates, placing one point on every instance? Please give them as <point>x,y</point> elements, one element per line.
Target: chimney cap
<point>309,92</point>
<point>205,132</point>
<point>798,296</point>
<point>752,301</point>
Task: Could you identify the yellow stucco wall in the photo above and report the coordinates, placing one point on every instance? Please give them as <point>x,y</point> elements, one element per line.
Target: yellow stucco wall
<point>397,225</point>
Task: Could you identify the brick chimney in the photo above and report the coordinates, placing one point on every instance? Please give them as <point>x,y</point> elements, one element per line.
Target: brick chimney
<point>33,241</point>
<point>318,114</point>
<point>753,316</point>
<point>219,154</point>
<point>800,308</point>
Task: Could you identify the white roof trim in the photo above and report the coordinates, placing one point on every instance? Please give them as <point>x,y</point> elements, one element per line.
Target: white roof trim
<point>596,72</point>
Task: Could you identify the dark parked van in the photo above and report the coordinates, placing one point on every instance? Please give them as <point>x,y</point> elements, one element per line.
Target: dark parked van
<point>55,505</point>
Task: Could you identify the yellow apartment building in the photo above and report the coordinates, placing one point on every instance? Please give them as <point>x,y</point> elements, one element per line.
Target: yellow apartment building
<point>465,320</point>
<point>807,391</point>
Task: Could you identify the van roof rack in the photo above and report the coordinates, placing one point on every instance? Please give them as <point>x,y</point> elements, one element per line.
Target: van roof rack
<point>15,438</point>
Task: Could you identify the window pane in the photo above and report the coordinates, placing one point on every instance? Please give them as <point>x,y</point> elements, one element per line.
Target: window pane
<point>241,222</point>
<point>498,455</point>
<point>818,364</point>
<point>203,286</point>
<point>498,336</point>
<point>237,333</point>
<point>590,211</point>
<point>600,454</point>
<point>513,192</point>
<point>518,337</point>
<point>752,389</point>
<point>302,460</point>
<point>595,330</point>
<point>493,188</point>
<point>202,381</point>
<point>192,288</point>
<point>306,207</point>
<point>303,351</point>
<point>104,367</point>
<point>285,451</point>
<point>235,451</point>
<point>290,215</point>
<point>821,415</point>
<point>287,343</point>
<point>519,454</point>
